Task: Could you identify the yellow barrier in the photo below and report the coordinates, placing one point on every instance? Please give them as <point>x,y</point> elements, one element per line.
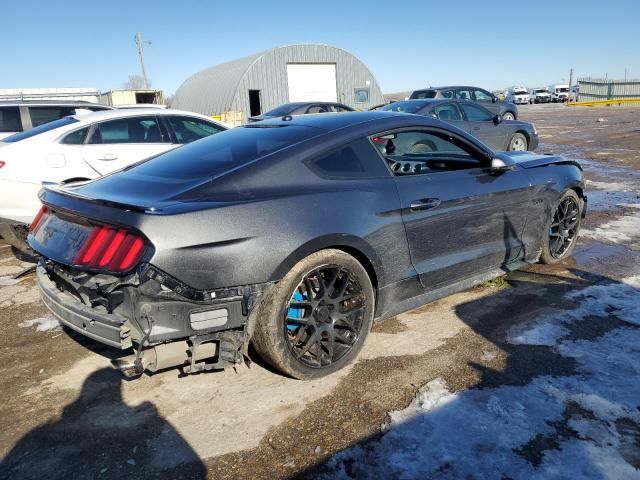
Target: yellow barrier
<point>613,101</point>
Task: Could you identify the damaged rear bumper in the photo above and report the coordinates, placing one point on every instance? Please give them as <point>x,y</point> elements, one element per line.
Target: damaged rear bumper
<point>144,311</point>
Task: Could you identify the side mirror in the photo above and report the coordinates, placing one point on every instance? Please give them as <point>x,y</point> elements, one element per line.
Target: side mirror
<point>497,119</point>
<point>494,99</point>
<point>501,163</point>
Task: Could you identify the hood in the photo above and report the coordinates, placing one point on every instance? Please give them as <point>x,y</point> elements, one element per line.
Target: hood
<point>535,160</point>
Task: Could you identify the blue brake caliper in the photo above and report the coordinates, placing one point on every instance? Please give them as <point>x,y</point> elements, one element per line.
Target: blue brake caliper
<point>295,312</point>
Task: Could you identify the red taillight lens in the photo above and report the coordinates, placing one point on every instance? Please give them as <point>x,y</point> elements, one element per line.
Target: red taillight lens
<point>110,248</point>
<point>36,221</point>
<point>2,163</point>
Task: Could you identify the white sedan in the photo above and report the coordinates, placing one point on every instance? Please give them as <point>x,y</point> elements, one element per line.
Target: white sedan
<point>78,148</point>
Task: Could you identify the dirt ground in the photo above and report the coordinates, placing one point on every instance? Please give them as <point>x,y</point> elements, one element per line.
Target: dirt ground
<point>66,414</point>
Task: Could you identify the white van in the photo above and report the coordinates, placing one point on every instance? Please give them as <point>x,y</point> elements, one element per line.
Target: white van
<point>559,92</point>
<point>518,95</point>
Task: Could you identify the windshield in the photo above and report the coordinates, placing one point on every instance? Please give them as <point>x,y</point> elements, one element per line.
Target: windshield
<point>520,92</point>
<point>41,129</point>
<point>281,110</point>
<point>404,107</point>
<point>562,90</point>
<point>222,152</point>
<point>541,90</point>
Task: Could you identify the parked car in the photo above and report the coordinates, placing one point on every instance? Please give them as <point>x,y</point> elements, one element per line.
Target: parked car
<point>490,129</point>
<point>302,108</point>
<point>294,234</point>
<point>20,115</point>
<point>519,96</point>
<point>508,110</point>
<point>78,148</point>
<point>559,92</point>
<point>541,95</point>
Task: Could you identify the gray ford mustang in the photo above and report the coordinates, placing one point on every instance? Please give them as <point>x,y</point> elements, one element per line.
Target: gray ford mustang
<point>294,234</point>
<point>489,128</point>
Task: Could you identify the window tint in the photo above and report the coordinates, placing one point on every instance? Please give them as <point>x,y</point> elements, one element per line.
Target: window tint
<point>10,119</point>
<point>420,152</point>
<point>220,153</point>
<point>318,109</point>
<point>482,96</point>
<point>463,94</point>
<point>447,112</point>
<point>189,129</point>
<point>475,113</point>
<point>127,130</point>
<point>356,160</point>
<point>41,129</point>
<point>42,115</point>
<point>76,138</point>
<point>405,107</point>
<point>423,94</point>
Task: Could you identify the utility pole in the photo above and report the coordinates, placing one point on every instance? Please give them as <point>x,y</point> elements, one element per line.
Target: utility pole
<point>570,82</point>
<point>139,43</point>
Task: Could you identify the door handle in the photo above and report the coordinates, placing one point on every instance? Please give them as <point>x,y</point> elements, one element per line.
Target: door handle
<point>476,128</point>
<point>424,204</point>
<point>108,157</point>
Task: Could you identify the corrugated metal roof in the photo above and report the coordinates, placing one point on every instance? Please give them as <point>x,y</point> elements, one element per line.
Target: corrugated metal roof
<point>224,87</point>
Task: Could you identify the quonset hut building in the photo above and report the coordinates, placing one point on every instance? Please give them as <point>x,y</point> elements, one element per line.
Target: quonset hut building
<point>255,84</point>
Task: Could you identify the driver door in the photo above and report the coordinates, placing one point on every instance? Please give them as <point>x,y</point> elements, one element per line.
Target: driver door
<point>460,217</point>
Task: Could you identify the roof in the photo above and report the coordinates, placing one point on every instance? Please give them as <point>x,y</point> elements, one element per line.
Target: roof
<point>132,112</point>
<point>328,121</point>
<point>62,103</point>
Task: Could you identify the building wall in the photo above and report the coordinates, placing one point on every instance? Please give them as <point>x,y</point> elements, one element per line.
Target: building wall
<point>601,89</point>
<point>70,93</point>
<point>269,75</point>
<point>125,97</point>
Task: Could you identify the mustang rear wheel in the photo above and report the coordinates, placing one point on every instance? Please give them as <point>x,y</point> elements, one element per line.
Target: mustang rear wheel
<point>518,143</point>
<point>562,230</point>
<point>315,320</point>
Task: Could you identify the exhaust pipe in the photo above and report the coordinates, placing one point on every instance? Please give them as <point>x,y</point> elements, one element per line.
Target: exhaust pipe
<point>163,356</point>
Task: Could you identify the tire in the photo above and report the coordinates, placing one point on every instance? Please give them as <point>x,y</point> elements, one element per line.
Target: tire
<point>562,217</point>
<point>508,116</point>
<point>289,328</point>
<point>518,143</point>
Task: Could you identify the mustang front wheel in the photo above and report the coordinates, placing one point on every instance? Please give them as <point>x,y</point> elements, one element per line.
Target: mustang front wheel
<point>315,320</point>
<point>562,230</point>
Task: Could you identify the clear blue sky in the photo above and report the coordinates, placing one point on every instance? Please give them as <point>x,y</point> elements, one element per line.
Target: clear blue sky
<point>406,44</point>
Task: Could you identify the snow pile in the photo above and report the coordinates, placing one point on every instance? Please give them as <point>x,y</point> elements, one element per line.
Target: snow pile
<point>625,229</point>
<point>579,426</point>
<point>43,324</point>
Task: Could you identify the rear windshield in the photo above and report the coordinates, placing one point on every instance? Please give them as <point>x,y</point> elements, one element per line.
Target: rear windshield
<point>405,107</point>
<point>41,129</point>
<point>281,110</point>
<point>222,152</point>
<point>423,94</point>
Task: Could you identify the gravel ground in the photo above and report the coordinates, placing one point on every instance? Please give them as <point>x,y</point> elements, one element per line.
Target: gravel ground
<point>66,414</point>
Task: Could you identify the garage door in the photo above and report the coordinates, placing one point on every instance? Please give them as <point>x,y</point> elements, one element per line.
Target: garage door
<point>312,82</point>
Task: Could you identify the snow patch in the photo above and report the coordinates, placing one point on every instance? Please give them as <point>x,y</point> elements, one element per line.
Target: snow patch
<point>553,427</point>
<point>625,229</point>
<point>43,324</point>
<point>7,281</point>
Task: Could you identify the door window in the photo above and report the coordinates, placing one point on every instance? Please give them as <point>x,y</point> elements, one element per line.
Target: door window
<point>127,130</point>
<point>482,96</point>
<point>447,112</point>
<point>318,109</point>
<point>190,129</point>
<point>476,113</point>
<point>421,152</point>
<point>10,119</point>
<point>463,93</point>
<point>76,138</point>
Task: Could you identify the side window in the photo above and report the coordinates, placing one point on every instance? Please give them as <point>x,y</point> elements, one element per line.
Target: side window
<point>447,112</point>
<point>482,96</point>
<point>41,115</point>
<point>76,138</point>
<point>10,119</point>
<point>127,130</point>
<point>475,113</point>
<point>318,109</point>
<point>447,94</point>
<point>357,159</point>
<point>190,129</point>
<point>421,152</point>
<point>338,108</point>
<point>463,93</point>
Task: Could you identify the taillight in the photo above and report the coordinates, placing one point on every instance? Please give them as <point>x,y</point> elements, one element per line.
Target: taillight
<point>112,249</point>
<point>36,221</point>
<point>2,163</point>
